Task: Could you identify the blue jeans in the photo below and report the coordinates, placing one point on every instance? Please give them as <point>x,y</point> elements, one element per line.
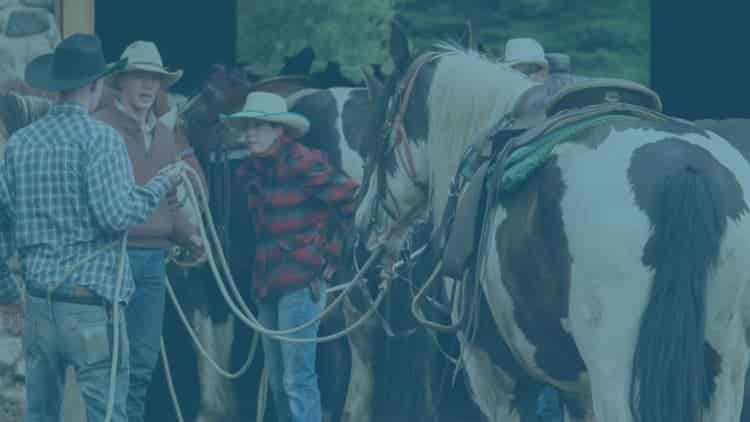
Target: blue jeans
<point>60,334</point>
<point>548,405</point>
<point>145,316</point>
<point>291,366</point>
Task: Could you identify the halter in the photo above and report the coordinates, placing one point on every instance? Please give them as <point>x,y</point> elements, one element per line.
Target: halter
<point>395,130</point>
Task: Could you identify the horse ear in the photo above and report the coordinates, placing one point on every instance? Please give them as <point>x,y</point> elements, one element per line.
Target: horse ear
<point>467,38</point>
<point>399,46</point>
<point>374,86</point>
<point>377,70</point>
<point>299,64</point>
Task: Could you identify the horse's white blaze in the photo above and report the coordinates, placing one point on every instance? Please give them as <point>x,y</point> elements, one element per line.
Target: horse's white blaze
<point>351,161</point>
<point>401,185</point>
<point>401,182</point>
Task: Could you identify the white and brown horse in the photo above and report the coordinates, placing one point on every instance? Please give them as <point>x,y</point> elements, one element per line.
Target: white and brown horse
<point>618,271</point>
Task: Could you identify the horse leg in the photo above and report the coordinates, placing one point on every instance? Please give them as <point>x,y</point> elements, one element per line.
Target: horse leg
<point>727,355</point>
<point>333,367</point>
<point>359,396</point>
<point>727,401</point>
<point>490,387</point>
<point>216,396</point>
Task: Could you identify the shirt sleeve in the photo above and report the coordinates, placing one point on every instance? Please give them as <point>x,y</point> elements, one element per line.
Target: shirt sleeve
<point>117,202</point>
<point>9,289</point>
<point>329,185</point>
<point>183,228</point>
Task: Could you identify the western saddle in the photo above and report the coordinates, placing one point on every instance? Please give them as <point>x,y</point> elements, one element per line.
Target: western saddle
<point>562,101</point>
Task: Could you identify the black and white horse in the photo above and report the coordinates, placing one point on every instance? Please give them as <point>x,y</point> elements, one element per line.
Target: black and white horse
<point>617,271</point>
<point>435,106</point>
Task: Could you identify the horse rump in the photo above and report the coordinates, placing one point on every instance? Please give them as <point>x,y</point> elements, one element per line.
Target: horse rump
<point>669,372</point>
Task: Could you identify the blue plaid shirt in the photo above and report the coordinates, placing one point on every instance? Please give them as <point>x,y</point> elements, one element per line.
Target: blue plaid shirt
<point>67,195</point>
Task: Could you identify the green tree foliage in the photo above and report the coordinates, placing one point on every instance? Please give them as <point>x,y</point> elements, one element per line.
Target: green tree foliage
<point>351,33</point>
<point>603,37</point>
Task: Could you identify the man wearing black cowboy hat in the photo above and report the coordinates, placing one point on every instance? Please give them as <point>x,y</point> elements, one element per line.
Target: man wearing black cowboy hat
<point>67,196</point>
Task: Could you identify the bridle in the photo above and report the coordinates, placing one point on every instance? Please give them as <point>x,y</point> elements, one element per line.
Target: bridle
<point>395,140</point>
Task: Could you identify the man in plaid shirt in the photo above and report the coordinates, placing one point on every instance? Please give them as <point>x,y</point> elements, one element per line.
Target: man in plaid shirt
<point>67,196</point>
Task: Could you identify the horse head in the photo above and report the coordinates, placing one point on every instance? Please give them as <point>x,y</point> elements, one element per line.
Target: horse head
<point>430,109</point>
<point>224,92</point>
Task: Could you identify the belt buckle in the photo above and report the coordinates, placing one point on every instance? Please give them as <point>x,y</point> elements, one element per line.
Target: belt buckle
<point>82,292</point>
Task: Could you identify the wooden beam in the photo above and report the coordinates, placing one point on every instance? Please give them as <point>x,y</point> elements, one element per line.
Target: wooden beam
<point>75,16</point>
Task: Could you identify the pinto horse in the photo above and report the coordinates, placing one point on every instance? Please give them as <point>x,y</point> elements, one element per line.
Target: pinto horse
<point>434,106</point>
<point>616,271</point>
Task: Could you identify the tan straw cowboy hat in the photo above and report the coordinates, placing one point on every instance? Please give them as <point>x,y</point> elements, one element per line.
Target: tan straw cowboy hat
<point>272,108</point>
<point>525,51</point>
<point>144,56</point>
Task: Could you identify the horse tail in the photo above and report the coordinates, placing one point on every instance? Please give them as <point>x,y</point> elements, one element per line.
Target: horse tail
<point>669,373</point>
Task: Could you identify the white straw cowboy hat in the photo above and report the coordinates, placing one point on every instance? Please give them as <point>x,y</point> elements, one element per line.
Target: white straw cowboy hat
<point>272,108</point>
<point>144,56</point>
<point>525,51</point>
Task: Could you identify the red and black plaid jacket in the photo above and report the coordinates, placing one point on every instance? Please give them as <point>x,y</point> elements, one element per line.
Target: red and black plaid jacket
<point>298,203</point>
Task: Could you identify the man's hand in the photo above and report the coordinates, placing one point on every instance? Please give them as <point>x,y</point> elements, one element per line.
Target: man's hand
<point>197,249</point>
<point>173,172</point>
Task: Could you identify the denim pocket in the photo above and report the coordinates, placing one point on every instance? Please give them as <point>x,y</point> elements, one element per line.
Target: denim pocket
<point>95,344</point>
<point>90,341</point>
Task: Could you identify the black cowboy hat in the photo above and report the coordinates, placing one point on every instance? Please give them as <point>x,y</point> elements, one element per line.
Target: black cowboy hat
<point>76,61</point>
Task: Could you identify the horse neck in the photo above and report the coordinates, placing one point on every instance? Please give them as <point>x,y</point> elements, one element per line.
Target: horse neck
<point>467,96</point>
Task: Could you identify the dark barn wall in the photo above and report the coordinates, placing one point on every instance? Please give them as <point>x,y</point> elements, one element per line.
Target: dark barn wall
<point>699,57</point>
<point>191,34</point>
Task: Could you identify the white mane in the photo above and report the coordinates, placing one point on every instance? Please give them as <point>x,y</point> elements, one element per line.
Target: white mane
<point>469,94</point>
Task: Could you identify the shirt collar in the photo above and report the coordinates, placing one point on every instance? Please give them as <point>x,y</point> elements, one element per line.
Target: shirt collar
<point>150,117</point>
<point>68,108</point>
<point>274,152</point>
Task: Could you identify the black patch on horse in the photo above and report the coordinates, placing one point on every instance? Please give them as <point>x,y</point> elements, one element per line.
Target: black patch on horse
<point>526,389</point>
<point>354,118</point>
<point>689,198</point>
<point>321,110</point>
<point>651,164</point>
<point>417,118</point>
<point>533,250</point>
<point>593,137</point>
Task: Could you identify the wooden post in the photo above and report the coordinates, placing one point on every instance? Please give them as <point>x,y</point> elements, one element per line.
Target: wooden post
<point>75,16</point>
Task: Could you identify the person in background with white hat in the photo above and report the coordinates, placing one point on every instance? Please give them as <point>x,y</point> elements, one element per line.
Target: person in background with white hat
<point>300,206</point>
<point>527,56</point>
<point>150,145</point>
